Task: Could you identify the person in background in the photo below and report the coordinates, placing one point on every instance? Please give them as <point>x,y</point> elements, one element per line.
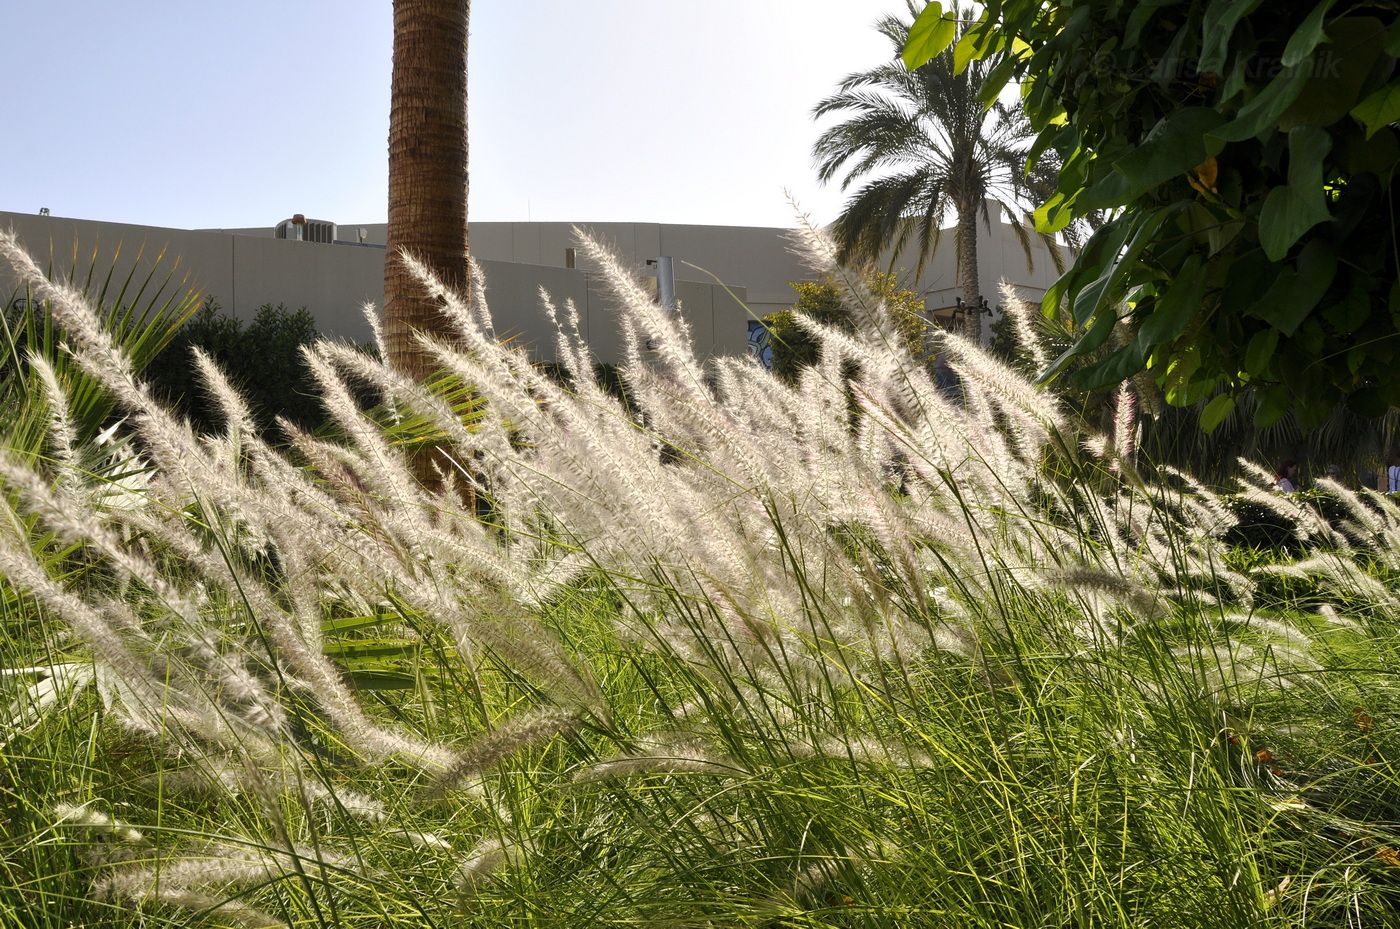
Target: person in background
<point>1286,479</point>
<point>1392,475</point>
<point>1334,473</point>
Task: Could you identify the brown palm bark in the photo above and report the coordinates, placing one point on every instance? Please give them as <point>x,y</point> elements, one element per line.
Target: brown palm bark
<point>968,272</point>
<point>427,171</point>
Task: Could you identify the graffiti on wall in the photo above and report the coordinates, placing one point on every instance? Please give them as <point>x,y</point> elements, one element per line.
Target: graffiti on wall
<point>761,343</point>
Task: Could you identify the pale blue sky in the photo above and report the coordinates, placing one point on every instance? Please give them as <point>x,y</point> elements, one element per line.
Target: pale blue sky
<point>194,113</point>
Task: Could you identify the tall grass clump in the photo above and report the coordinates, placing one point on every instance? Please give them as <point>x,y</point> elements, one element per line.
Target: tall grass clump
<point>846,652</point>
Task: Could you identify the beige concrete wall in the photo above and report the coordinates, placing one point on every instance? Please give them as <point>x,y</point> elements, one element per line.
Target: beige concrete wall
<point>246,267</point>
<point>524,243</point>
<point>547,243</point>
<point>201,261</point>
<point>243,272</point>
<point>240,272</point>
<point>759,259</point>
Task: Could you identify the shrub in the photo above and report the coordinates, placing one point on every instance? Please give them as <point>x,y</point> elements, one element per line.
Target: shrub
<point>262,359</point>
<point>794,347</point>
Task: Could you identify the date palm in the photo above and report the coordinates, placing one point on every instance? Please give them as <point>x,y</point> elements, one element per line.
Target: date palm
<point>923,148</point>
<point>427,170</point>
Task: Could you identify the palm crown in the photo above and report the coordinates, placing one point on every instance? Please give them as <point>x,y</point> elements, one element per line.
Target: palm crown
<point>923,147</point>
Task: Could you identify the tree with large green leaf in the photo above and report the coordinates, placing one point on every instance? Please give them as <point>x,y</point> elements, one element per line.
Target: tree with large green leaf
<point>925,146</point>
<point>1249,152</point>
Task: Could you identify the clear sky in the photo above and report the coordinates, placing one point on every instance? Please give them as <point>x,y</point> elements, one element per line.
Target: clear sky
<point>200,113</point>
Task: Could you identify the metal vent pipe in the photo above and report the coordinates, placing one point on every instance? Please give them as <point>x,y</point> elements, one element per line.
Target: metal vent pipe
<point>666,282</point>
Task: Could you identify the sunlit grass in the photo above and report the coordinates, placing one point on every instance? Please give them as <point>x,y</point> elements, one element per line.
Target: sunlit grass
<point>941,667</point>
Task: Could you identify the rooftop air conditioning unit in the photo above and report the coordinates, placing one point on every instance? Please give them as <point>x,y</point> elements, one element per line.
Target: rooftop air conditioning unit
<point>301,229</point>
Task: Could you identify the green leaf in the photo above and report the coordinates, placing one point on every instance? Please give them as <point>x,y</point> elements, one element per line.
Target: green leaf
<point>1349,313</point>
<point>1098,260</point>
<point>1182,367</point>
<point>1295,293</point>
<point>347,623</point>
<point>380,679</point>
<point>1370,403</point>
<point>1052,215</point>
<point>1235,81</point>
<point>1174,308</point>
<point>931,33</point>
<point>1114,369</point>
<point>1248,275</point>
<point>1166,70</point>
<point>1359,153</point>
<point>1273,403</point>
<point>1103,289</point>
<point>1111,190</point>
<point>1217,26</point>
<point>1216,411</point>
<point>1142,13</point>
<point>1044,141</point>
<point>1099,252</point>
<point>975,44</point>
<point>1307,36</point>
<point>1174,146</point>
<point>1096,335</point>
<point>1310,410</point>
<point>1262,112</point>
<point>1222,235</point>
<point>1380,109</point>
<point>360,649</point>
<point>1293,209</point>
<point>1260,351</point>
<point>1338,75</point>
<point>1052,303</point>
<point>996,81</point>
<point>966,51</point>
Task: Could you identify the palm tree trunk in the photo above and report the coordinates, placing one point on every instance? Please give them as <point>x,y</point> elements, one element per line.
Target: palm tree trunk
<point>427,170</point>
<point>967,272</point>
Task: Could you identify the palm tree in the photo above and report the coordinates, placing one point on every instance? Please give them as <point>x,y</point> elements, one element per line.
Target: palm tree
<point>924,147</point>
<point>427,170</point>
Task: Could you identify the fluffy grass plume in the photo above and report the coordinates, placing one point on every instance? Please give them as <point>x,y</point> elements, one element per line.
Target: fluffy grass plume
<point>848,652</point>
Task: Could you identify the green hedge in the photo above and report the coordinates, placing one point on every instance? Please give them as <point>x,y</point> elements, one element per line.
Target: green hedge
<point>262,357</point>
